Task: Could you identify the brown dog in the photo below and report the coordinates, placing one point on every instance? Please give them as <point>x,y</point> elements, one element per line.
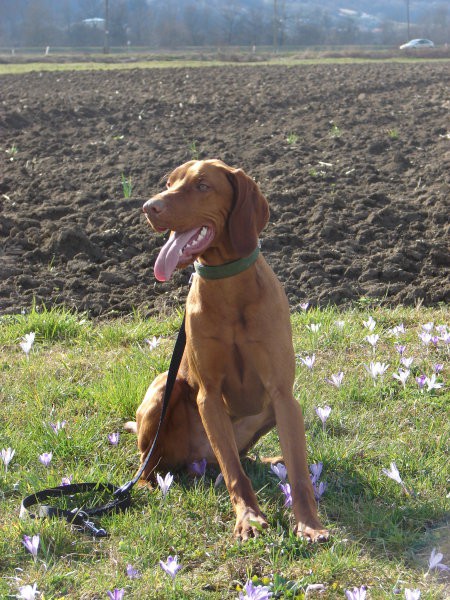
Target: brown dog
<point>237,373</point>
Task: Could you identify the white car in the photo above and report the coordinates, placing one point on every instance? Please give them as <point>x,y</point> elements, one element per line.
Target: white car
<point>417,44</point>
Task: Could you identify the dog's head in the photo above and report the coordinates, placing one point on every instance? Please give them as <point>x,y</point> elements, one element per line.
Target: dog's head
<point>207,206</point>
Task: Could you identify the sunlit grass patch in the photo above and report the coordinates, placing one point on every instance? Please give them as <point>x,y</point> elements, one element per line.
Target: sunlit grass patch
<point>80,380</point>
<point>98,62</point>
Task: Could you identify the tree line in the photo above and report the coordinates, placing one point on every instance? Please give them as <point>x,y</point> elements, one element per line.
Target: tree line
<point>214,23</point>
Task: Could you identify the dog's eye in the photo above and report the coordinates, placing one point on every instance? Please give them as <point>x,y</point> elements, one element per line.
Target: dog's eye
<point>168,184</point>
<point>203,187</point>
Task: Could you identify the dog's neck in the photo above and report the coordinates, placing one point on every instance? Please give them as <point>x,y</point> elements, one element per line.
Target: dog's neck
<point>228,269</point>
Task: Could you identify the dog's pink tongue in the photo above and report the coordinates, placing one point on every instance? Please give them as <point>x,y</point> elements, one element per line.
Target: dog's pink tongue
<point>169,254</point>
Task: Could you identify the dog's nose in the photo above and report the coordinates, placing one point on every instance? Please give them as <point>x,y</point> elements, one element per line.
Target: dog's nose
<point>153,206</point>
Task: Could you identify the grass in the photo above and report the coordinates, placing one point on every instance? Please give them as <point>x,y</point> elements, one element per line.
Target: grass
<point>94,374</point>
<point>127,186</point>
<point>98,64</point>
<point>292,139</point>
<point>194,151</point>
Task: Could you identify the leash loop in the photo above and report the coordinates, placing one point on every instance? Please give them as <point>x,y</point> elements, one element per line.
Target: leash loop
<point>82,517</point>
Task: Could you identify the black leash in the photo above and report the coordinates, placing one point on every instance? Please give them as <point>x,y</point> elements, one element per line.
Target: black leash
<point>82,517</point>
<point>175,362</point>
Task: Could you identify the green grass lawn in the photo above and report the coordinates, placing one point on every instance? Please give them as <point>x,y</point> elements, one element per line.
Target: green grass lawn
<point>98,64</point>
<point>92,375</point>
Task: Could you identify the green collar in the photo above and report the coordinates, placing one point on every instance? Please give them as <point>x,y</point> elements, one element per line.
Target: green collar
<point>228,269</point>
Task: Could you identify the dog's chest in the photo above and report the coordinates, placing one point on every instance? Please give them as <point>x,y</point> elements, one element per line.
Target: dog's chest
<point>243,390</point>
<point>231,365</point>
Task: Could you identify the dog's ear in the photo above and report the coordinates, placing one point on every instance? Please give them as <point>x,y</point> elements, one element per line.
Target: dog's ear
<point>249,214</point>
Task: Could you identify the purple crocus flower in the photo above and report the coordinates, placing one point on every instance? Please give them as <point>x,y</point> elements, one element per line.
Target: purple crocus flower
<point>198,468</point>
<point>113,438</point>
<point>27,343</point>
<point>7,456</point>
<point>445,337</point>
<point>401,376</point>
<point>425,337</point>
<point>438,367</point>
<point>165,483</point>
<point>370,323</point>
<point>373,339</point>
<point>314,587</point>
<point>116,594</point>
<point>407,362</point>
<point>336,380</point>
<point>133,573</point>
<point>316,471</point>
<point>319,489</point>
<point>400,349</point>
<point>280,471</point>
<point>153,343</point>
<point>356,593</point>
<point>435,561</point>
<point>412,594</point>
<point>46,458</point>
<point>393,473</point>
<point>31,544</point>
<point>171,567</point>
<point>58,426</point>
<point>255,592</point>
<point>28,592</point>
<point>66,480</point>
<point>323,414</point>
<point>421,381</point>
<point>432,384</point>
<point>308,361</point>
<point>286,489</point>
<point>376,369</point>
<point>304,305</point>
<point>397,330</point>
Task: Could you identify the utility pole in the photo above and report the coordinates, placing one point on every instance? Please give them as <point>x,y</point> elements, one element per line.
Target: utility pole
<point>106,40</point>
<point>282,23</point>
<point>407,19</point>
<point>275,25</point>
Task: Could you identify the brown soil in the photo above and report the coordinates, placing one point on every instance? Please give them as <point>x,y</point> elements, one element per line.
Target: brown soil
<point>359,198</point>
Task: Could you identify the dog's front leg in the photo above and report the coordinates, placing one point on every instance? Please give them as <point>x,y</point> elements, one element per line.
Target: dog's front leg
<point>219,429</point>
<point>291,431</point>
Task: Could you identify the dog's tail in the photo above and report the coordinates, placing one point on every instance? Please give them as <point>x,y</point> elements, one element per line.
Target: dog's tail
<point>130,426</point>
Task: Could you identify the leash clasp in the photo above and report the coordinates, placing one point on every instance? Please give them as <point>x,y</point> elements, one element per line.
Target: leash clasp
<point>81,519</point>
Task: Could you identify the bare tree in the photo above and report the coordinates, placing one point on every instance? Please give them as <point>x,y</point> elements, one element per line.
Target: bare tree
<point>230,16</point>
<point>38,25</point>
<point>435,24</point>
<point>140,22</point>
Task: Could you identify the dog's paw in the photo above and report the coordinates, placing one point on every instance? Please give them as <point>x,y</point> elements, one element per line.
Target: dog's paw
<point>145,483</point>
<point>130,426</point>
<point>312,534</point>
<point>249,525</point>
